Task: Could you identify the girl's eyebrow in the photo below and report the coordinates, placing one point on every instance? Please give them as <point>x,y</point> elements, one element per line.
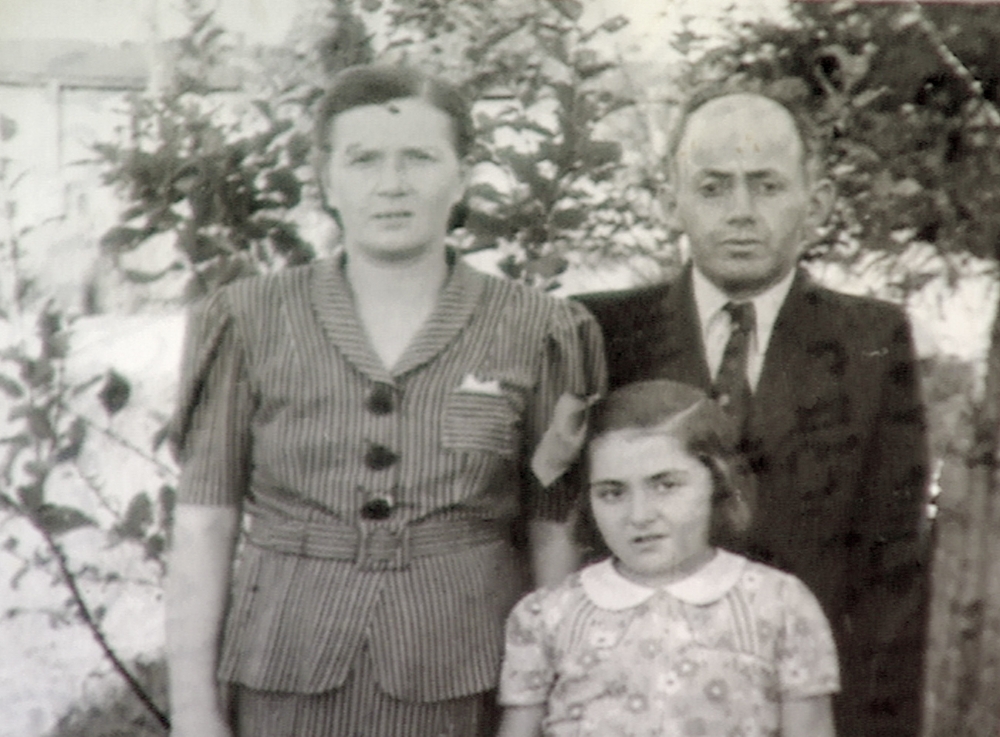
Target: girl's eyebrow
<point>605,482</point>
<point>671,475</point>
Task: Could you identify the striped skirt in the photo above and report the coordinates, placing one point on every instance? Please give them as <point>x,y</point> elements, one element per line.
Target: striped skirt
<point>360,709</point>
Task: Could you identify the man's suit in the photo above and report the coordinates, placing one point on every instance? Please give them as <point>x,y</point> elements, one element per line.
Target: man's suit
<point>836,436</point>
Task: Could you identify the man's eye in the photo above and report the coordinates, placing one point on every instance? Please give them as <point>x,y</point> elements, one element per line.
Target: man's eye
<point>710,189</point>
<point>769,187</point>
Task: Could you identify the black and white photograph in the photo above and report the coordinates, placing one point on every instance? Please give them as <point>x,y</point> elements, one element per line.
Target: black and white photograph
<point>499,368</point>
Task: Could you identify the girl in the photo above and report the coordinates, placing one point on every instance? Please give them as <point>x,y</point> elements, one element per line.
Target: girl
<point>669,635</point>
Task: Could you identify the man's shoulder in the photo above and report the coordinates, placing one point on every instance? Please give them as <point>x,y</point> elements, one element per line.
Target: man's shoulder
<point>852,312</point>
<point>624,307</point>
<point>640,295</point>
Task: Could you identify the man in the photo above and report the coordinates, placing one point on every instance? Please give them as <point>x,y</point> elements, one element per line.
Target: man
<point>823,385</point>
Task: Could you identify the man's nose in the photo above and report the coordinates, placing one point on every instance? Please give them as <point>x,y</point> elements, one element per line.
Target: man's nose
<point>742,206</point>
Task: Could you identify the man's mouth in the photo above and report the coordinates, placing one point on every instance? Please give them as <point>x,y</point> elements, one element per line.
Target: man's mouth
<point>393,215</point>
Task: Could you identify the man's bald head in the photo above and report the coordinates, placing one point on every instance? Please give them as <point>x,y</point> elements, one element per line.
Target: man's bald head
<point>743,193</point>
<point>711,100</point>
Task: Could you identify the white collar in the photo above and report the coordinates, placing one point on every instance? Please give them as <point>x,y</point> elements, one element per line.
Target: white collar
<point>710,300</point>
<point>609,589</point>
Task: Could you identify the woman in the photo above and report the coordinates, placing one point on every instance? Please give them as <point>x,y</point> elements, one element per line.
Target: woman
<point>369,419</point>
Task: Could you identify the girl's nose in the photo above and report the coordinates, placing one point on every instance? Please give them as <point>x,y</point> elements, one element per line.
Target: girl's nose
<point>641,509</point>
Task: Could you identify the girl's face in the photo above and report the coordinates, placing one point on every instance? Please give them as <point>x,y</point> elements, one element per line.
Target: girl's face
<point>394,176</point>
<point>652,502</point>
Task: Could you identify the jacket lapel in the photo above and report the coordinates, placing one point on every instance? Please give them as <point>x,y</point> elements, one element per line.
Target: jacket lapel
<point>795,374</point>
<point>455,307</point>
<point>682,348</point>
<point>334,306</point>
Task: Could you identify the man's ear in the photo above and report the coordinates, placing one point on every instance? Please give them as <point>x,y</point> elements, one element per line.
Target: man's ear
<point>668,200</point>
<point>822,196</point>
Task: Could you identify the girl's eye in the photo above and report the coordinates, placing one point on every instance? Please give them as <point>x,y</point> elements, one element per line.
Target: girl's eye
<point>665,485</point>
<point>609,493</point>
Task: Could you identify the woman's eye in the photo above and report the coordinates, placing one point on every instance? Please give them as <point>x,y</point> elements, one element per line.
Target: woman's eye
<point>420,156</point>
<point>363,158</point>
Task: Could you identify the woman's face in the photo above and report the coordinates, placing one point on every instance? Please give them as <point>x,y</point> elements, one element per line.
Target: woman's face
<point>394,176</point>
<point>652,502</point>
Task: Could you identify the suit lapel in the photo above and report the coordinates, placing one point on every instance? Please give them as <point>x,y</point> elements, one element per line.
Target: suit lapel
<point>796,370</point>
<point>683,351</point>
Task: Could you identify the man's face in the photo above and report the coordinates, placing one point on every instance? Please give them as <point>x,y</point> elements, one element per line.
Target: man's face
<point>742,194</point>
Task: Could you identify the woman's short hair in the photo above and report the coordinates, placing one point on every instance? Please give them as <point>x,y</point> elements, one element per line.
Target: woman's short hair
<point>370,84</point>
<point>684,412</point>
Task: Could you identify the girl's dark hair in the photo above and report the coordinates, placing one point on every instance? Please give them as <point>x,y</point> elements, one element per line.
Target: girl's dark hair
<point>376,85</point>
<point>681,411</point>
<point>369,84</point>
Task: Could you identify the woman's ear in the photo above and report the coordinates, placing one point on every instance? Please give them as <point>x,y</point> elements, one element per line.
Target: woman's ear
<point>464,179</point>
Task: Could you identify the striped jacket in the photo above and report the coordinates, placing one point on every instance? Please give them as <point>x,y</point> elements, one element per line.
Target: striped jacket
<point>286,411</point>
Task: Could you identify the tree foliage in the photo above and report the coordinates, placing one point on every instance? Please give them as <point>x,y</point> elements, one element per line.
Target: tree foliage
<point>906,97</point>
<point>47,437</point>
<point>555,181</point>
<point>550,177</point>
<point>222,189</point>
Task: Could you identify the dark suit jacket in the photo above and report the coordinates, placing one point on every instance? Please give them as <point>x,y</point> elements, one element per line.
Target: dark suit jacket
<point>837,440</point>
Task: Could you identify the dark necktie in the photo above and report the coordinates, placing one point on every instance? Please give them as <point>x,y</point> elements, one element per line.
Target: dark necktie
<point>732,385</point>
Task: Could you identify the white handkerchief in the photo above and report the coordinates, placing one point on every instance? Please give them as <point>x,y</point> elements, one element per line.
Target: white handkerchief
<point>472,385</point>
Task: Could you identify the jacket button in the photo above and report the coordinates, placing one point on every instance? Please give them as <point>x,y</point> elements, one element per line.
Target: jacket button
<point>379,401</point>
<point>378,457</point>
<point>378,508</point>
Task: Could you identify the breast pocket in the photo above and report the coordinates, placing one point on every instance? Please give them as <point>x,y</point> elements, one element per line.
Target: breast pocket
<point>478,421</point>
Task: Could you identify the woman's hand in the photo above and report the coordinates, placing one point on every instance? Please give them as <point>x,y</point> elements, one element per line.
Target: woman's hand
<point>196,590</point>
<point>809,717</point>
<point>562,442</point>
<point>214,726</point>
<point>522,721</point>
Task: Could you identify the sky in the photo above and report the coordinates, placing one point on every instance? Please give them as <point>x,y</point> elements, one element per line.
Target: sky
<point>268,21</point>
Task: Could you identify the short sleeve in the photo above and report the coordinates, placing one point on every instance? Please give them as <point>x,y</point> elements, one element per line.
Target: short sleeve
<point>528,672</point>
<point>573,363</point>
<point>807,655</point>
<point>211,425</point>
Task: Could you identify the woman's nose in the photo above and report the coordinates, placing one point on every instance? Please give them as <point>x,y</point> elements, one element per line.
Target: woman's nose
<point>393,177</point>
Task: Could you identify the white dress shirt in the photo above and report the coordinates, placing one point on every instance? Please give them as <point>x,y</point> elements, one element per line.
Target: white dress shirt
<point>716,324</point>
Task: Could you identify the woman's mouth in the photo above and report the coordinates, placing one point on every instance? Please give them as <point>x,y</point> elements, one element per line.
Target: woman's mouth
<point>392,216</point>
